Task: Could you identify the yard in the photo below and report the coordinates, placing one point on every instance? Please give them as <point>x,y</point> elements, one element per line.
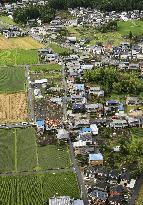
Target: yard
<point>12,79</point>
<point>136,27</point>
<point>37,189</point>
<point>13,107</point>
<point>20,152</point>
<point>19,43</point>
<point>18,57</point>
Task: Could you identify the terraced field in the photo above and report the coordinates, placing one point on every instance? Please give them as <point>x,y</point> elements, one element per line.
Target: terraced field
<point>36,189</point>
<point>18,57</point>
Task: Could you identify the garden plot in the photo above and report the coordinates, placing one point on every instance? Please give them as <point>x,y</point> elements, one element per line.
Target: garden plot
<point>13,107</point>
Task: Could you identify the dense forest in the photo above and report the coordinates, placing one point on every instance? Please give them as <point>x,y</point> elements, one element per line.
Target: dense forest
<point>106,5</point>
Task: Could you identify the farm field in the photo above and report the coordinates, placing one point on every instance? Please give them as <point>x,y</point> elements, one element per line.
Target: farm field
<point>13,107</point>
<point>7,157</point>
<point>19,43</point>
<point>20,152</point>
<point>52,156</point>
<point>12,79</point>
<point>37,189</point>
<point>18,57</point>
<point>47,67</point>
<point>136,27</point>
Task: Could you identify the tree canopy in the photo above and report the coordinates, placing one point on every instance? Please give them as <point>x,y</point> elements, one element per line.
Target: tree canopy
<point>113,80</point>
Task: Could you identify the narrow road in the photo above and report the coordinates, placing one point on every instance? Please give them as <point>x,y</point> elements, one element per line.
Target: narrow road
<point>74,162</point>
<point>30,96</point>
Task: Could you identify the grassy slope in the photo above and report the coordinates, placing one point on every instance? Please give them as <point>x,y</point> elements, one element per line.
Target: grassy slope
<point>140,197</point>
<point>136,27</point>
<point>19,42</point>
<point>12,79</point>
<point>7,20</point>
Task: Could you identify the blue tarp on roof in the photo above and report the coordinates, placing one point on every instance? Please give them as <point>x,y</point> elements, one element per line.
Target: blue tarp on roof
<point>121,107</point>
<point>98,156</point>
<point>112,101</point>
<point>79,86</point>
<point>86,129</point>
<point>40,123</point>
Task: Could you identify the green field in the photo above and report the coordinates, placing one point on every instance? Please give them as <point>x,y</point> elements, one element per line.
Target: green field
<point>95,36</point>
<point>139,200</point>
<point>47,67</point>
<point>136,27</point>
<point>7,155</point>
<point>7,20</point>
<point>18,57</point>
<point>58,49</point>
<point>37,189</point>
<point>12,79</point>
<point>19,152</point>
<point>52,156</point>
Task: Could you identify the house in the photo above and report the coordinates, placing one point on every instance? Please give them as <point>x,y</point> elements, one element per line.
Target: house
<point>96,159</point>
<point>40,124</point>
<point>62,134</point>
<point>119,124</point>
<point>116,200</point>
<point>112,103</point>
<point>78,108</point>
<point>64,200</point>
<point>85,130</point>
<point>97,194</point>
<point>94,108</point>
<point>94,129</point>
<point>132,100</point>
<point>71,39</point>
<point>37,93</point>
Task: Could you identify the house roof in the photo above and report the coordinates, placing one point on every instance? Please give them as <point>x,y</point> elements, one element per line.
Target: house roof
<point>78,202</point>
<point>40,123</point>
<point>62,134</point>
<point>95,157</point>
<point>99,194</point>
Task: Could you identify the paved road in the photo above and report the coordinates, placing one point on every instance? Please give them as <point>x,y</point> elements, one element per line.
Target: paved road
<point>135,193</point>
<point>30,96</point>
<point>74,162</point>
